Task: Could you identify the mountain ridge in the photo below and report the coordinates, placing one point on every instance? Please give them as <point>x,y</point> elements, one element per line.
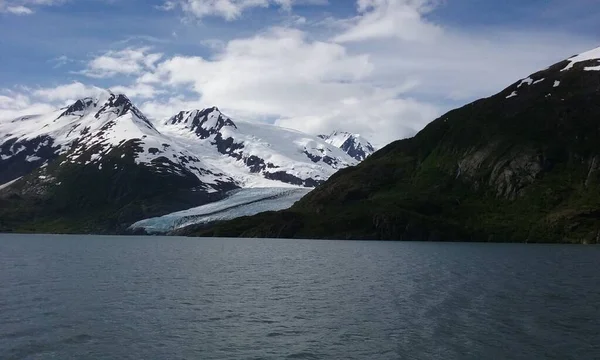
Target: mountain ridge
<point>521,165</point>
<point>101,154</point>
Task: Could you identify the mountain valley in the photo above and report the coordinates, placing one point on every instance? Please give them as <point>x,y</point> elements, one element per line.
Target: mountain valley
<point>100,164</point>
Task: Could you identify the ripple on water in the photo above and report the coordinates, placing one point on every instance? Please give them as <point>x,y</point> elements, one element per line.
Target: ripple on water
<point>302,355</point>
<point>162,298</point>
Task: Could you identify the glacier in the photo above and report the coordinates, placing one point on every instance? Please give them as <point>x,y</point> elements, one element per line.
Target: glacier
<point>240,202</point>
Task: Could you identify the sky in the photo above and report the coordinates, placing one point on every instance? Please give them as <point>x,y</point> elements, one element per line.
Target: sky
<point>381,68</point>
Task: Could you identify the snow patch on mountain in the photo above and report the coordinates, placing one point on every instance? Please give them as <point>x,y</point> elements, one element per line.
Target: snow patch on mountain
<point>249,150</point>
<point>353,144</point>
<point>6,185</point>
<point>91,128</point>
<point>527,81</point>
<point>586,56</point>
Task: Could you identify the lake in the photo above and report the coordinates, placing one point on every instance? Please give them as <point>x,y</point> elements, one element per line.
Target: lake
<point>101,297</point>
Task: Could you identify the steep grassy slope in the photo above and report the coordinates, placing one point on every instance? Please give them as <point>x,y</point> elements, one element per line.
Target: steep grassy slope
<point>519,166</point>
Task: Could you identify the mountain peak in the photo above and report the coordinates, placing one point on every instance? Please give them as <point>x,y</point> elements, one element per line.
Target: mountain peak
<point>567,78</point>
<point>101,102</point>
<point>204,123</point>
<point>86,105</point>
<point>354,145</point>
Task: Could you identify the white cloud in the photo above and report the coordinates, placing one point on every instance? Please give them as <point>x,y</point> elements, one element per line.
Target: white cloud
<point>24,7</point>
<point>137,90</point>
<point>15,105</point>
<point>167,6</point>
<point>67,92</point>
<point>227,9</point>
<point>165,107</point>
<point>309,85</point>
<point>379,116</point>
<point>61,61</point>
<point>213,44</point>
<point>386,73</point>
<point>19,10</point>
<point>450,64</point>
<point>129,61</point>
<point>76,90</point>
<point>231,9</point>
<point>16,101</point>
<point>27,101</point>
<point>403,19</point>
<point>280,55</point>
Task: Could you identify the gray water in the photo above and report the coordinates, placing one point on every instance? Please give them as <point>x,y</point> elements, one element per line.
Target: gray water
<point>88,297</point>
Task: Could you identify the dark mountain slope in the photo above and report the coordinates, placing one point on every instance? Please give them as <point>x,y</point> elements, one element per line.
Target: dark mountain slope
<point>74,198</point>
<point>519,166</point>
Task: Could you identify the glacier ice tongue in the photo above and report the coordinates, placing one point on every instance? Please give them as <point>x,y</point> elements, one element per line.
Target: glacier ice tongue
<point>242,202</point>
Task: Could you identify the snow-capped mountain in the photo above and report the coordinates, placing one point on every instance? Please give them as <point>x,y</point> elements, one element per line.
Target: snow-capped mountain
<point>103,159</point>
<point>204,143</point>
<point>253,152</point>
<point>92,130</point>
<point>352,144</point>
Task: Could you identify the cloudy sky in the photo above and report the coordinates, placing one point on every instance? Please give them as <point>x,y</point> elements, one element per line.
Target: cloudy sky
<point>382,68</point>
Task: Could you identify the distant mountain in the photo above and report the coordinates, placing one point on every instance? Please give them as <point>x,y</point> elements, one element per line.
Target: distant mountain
<point>522,165</point>
<point>246,149</point>
<point>100,164</point>
<point>92,131</point>
<point>352,144</point>
<point>95,166</point>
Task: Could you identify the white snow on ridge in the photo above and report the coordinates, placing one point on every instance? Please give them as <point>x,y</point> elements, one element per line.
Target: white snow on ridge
<point>31,158</point>
<point>556,83</point>
<point>4,186</point>
<point>285,149</point>
<point>338,139</point>
<point>353,144</point>
<point>106,121</point>
<point>217,151</point>
<point>527,81</point>
<point>98,125</point>
<point>586,56</point>
<point>513,94</point>
<point>243,202</point>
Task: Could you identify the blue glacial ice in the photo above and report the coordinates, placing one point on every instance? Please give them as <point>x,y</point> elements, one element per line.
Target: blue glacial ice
<point>242,202</point>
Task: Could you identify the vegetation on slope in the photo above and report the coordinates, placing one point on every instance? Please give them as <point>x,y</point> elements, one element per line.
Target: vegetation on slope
<point>101,198</point>
<point>506,168</point>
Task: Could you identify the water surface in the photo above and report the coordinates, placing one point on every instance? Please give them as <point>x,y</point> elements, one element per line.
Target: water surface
<point>93,297</point>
